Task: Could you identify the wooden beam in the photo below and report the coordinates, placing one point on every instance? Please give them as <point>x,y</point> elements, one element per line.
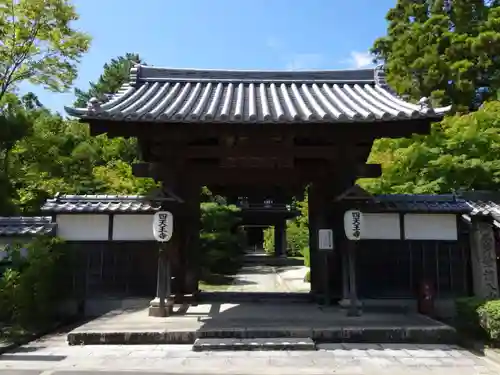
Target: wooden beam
<point>354,131</point>
<point>368,170</point>
<point>300,152</point>
<point>252,176</point>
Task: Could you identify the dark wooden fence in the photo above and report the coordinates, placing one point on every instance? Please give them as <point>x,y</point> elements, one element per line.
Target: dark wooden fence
<point>116,269</point>
<point>395,269</point>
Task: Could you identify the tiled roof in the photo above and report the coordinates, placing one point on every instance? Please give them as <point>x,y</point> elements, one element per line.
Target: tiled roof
<point>485,209</point>
<point>422,203</point>
<point>26,226</point>
<point>187,95</point>
<point>483,204</point>
<point>99,204</point>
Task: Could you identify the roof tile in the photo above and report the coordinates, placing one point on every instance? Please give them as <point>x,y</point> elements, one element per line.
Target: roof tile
<point>422,203</point>
<point>187,95</point>
<point>26,226</point>
<point>99,204</point>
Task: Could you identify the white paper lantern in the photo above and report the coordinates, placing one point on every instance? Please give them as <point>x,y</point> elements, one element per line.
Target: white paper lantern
<point>353,225</point>
<point>163,226</point>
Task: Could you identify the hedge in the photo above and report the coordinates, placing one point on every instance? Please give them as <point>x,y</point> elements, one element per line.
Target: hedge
<point>32,286</point>
<point>479,318</point>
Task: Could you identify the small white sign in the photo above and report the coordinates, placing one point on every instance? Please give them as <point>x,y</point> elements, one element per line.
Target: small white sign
<point>163,225</point>
<point>325,239</point>
<point>353,225</point>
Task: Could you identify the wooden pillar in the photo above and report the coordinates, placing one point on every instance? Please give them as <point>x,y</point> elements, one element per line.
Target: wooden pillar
<point>280,243</point>
<point>318,208</point>
<point>344,302</point>
<point>354,306</point>
<point>189,270</point>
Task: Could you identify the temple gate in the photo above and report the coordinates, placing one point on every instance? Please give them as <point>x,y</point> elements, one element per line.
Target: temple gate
<point>249,133</point>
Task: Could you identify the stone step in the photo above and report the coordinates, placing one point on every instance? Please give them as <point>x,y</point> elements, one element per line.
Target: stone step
<point>431,334</point>
<point>275,343</point>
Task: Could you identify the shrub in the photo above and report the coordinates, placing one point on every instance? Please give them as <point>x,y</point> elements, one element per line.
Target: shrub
<point>307,257</point>
<point>269,240</point>
<point>479,318</point>
<point>33,285</point>
<point>297,237</point>
<point>221,244</point>
<point>489,318</point>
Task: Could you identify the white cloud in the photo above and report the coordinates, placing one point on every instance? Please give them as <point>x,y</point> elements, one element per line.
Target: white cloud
<point>304,61</point>
<point>360,60</point>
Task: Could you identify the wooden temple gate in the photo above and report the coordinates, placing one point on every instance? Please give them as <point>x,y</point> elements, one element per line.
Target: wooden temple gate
<point>243,133</point>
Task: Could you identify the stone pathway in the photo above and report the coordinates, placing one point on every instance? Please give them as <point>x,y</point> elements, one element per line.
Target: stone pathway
<point>256,278</point>
<point>259,275</point>
<point>292,278</point>
<point>52,355</point>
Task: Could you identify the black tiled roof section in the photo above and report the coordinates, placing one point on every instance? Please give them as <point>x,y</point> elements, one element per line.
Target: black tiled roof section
<point>26,226</point>
<point>157,94</point>
<point>99,204</point>
<point>422,203</point>
<point>485,209</point>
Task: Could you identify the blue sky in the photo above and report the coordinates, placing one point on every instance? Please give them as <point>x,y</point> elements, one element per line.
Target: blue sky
<point>226,34</point>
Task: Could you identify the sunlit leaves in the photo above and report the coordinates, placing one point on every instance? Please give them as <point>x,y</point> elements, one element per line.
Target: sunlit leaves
<point>39,43</point>
<point>462,152</point>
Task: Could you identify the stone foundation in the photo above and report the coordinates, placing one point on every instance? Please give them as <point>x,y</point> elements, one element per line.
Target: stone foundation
<point>423,335</point>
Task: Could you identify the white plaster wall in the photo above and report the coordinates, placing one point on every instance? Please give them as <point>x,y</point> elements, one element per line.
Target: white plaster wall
<point>87,227</point>
<point>133,227</point>
<point>430,227</point>
<point>381,227</point>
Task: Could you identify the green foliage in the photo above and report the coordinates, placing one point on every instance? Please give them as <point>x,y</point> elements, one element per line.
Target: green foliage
<point>221,245</point>
<point>479,318</point>
<point>297,234</point>
<point>307,257</point>
<point>116,177</point>
<point>489,316</point>
<point>32,287</point>
<point>39,44</point>
<point>269,240</point>
<point>447,50</point>
<point>462,152</point>
<point>60,155</point>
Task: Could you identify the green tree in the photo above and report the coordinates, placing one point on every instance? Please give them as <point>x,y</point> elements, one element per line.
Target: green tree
<point>221,246</point>
<point>116,73</point>
<point>442,49</point>
<point>39,44</point>
<point>461,153</point>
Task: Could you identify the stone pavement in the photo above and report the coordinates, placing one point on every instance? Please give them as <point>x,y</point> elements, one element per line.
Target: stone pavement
<point>263,273</point>
<point>257,278</point>
<point>51,355</point>
<point>292,278</point>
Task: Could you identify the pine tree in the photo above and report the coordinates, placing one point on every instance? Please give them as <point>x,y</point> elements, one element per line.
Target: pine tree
<point>115,74</point>
<point>448,50</point>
